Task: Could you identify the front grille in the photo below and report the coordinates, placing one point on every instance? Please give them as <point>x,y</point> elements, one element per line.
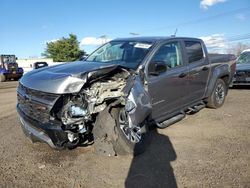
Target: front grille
<point>35,104</point>
<point>12,67</point>
<point>242,75</point>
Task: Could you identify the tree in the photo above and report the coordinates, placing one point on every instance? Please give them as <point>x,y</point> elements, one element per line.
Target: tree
<point>64,49</point>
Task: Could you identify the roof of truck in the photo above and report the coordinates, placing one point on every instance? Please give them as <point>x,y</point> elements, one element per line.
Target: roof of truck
<point>152,39</point>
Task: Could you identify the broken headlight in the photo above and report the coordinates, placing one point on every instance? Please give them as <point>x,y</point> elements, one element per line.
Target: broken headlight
<point>77,111</point>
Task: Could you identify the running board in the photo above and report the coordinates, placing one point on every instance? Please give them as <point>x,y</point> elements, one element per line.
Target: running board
<point>171,121</point>
<point>196,108</point>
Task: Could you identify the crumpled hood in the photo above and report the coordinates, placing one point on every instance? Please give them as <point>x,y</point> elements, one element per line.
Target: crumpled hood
<point>243,66</point>
<point>64,78</point>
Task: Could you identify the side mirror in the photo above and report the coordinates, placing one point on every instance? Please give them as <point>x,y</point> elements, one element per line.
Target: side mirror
<point>157,67</point>
<point>84,57</point>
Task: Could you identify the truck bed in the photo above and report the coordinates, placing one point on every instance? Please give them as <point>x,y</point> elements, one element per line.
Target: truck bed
<point>219,58</point>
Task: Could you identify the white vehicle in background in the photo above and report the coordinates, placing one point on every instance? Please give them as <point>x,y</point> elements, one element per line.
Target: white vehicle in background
<point>247,50</point>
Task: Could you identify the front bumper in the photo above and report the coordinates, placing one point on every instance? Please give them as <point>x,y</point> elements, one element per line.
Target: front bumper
<point>241,77</point>
<point>12,75</point>
<point>49,133</point>
<point>242,82</point>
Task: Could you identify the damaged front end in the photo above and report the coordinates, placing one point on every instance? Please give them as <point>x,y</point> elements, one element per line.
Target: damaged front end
<point>68,119</point>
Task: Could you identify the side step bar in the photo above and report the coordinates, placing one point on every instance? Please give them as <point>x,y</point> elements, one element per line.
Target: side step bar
<point>181,115</point>
<point>171,121</point>
<point>196,108</point>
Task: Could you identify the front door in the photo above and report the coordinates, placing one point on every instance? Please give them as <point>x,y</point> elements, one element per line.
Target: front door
<point>168,89</point>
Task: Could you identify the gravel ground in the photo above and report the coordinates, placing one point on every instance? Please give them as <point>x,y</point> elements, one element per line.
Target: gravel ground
<point>208,149</point>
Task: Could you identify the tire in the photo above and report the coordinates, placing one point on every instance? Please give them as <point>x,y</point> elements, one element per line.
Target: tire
<point>217,98</point>
<point>107,132</point>
<point>2,78</point>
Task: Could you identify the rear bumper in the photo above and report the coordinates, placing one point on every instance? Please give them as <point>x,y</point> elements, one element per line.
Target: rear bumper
<point>48,133</point>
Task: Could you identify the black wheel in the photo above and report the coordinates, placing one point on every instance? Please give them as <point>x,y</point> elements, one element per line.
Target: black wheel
<point>132,139</point>
<point>2,78</point>
<point>218,95</point>
<point>124,137</point>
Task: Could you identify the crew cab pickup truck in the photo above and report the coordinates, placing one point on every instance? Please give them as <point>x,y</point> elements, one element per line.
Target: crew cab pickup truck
<point>119,90</point>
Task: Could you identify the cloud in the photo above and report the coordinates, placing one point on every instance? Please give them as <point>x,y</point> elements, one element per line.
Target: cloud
<point>93,41</point>
<point>241,17</point>
<point>215,42</point>
<point>205,4</point>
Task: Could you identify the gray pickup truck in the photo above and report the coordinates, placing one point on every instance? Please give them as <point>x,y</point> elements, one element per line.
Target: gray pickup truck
<point>126,85</point>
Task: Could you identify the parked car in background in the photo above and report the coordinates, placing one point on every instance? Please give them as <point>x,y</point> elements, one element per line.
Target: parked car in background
<point>38,65</point>
<point>83,57</point>
<point>9,68</point>
<point>119,90</point>
<point>242,75</point>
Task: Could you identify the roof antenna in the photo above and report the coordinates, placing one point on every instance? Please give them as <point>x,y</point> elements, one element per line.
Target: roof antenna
<point>174,35</point>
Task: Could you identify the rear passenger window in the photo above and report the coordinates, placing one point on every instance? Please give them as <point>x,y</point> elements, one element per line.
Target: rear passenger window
<point>194,51</point>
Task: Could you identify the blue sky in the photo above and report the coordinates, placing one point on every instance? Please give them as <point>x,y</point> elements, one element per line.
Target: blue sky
<point>26,25</point>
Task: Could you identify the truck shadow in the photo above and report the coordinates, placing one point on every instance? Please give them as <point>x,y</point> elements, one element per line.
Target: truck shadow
<point>153,168</point>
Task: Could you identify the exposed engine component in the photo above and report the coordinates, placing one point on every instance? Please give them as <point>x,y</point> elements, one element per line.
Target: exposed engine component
<point>103,90</point>
<point>78,110</point>
<point>75,111</point>
<point>74,116</point>
<point>73,137</point>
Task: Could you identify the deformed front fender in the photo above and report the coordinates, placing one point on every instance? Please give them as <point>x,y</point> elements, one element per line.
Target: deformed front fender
<point>138,103</point>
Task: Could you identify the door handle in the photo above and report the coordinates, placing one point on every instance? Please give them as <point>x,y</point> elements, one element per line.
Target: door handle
<point>204,68</point>
<point>182,75</point>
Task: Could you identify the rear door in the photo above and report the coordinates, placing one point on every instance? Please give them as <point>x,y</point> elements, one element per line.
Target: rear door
<point>168,90</point>
<point>198,67</point>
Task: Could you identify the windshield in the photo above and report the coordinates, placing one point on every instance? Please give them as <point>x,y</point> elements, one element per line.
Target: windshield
<point>127,53</point>
<point>8,58</point>
<point>244,58</point>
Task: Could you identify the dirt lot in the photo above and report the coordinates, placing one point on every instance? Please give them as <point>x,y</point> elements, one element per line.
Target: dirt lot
<point>208,149</point>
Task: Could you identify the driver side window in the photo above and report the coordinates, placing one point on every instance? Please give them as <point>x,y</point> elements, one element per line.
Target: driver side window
<point>169,54</point>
